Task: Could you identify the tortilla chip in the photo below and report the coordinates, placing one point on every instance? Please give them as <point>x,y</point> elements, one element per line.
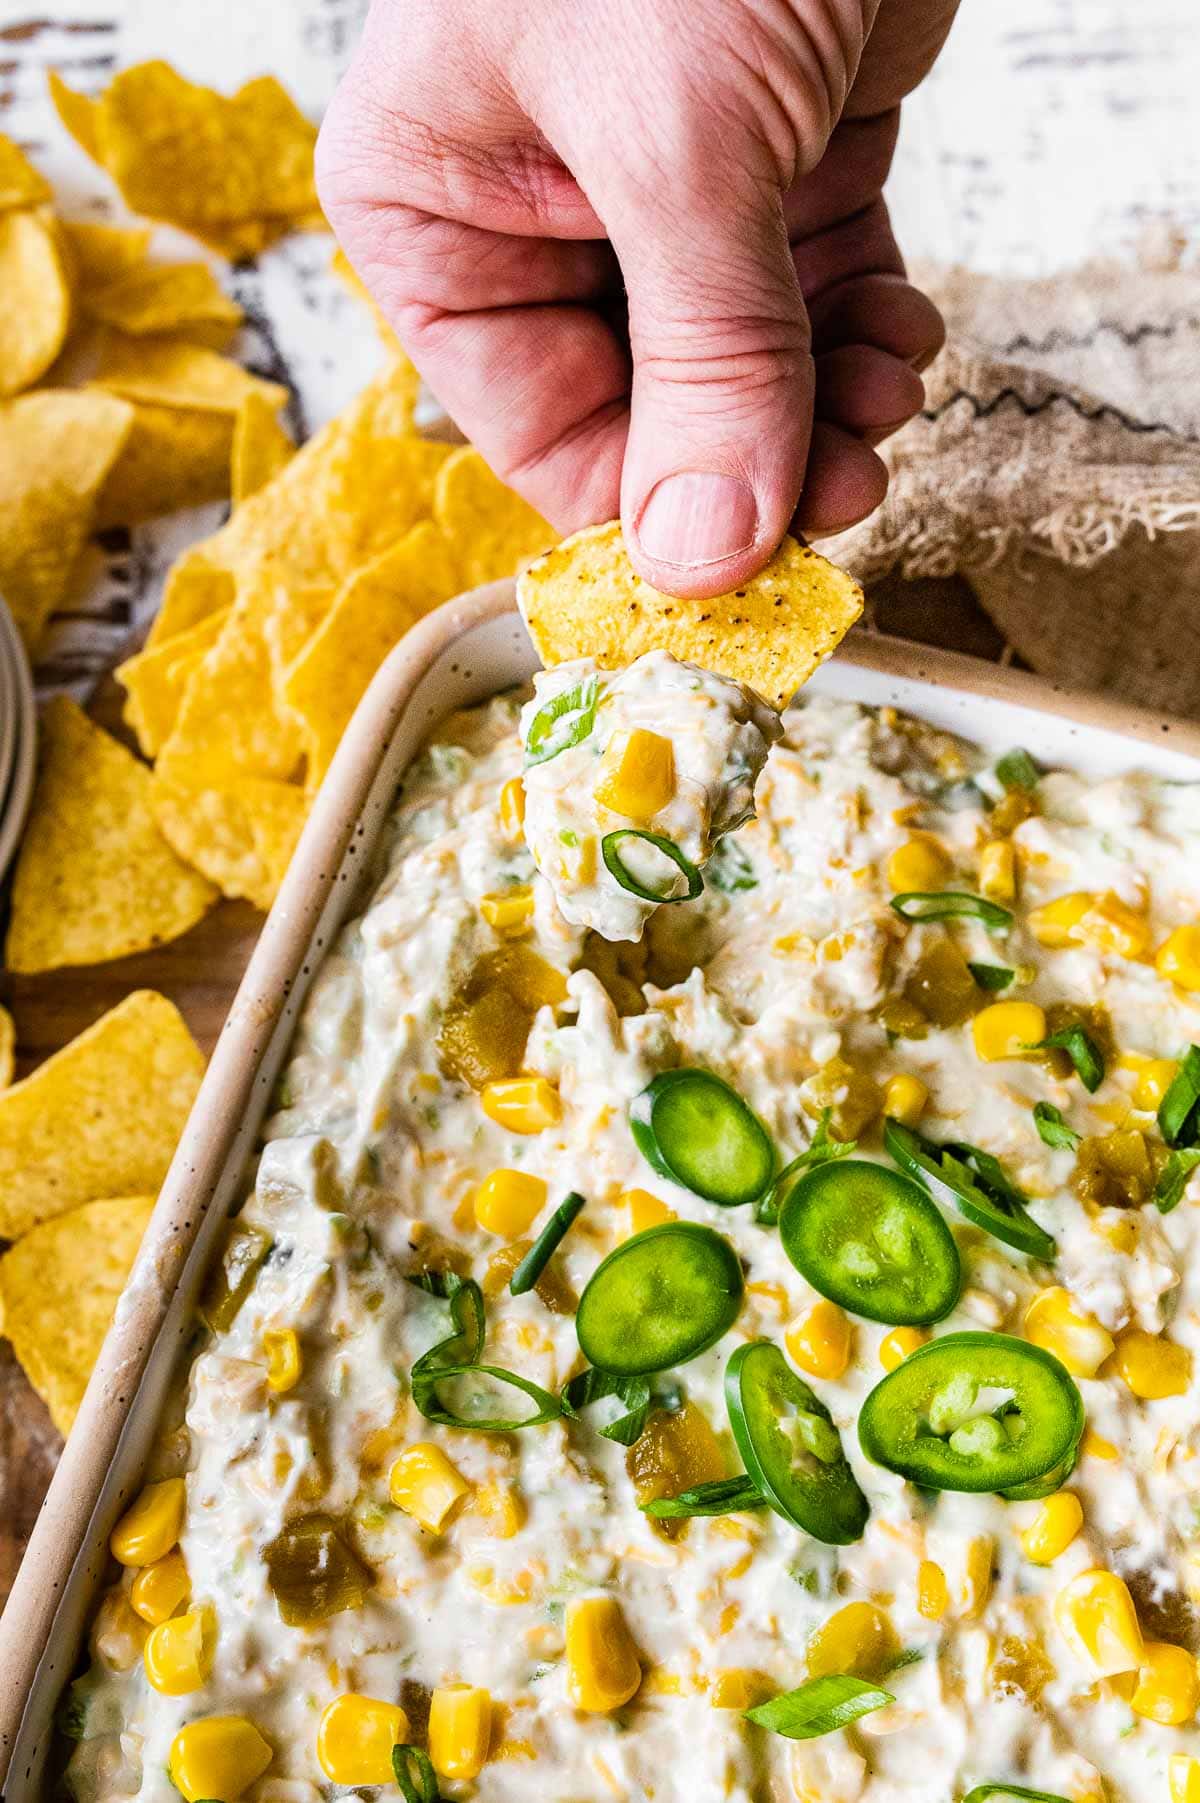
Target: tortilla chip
<point>164,297</point>
<point>165,373</point>
<point>341,266</point>
<point>194,589</point>
<point>584,599</point>
<point>241,835</point>
<point>102,254</point>
<point>228,724</point>
<point>154,683</point>
<point>58,1289</point>
<point>21,185</point>
<point>8,1048</point>
<point>261,447</point>
<point>78,112</point>
<point>101,1117</point>
<point>56,449</point>
<point>171,459</point>
<point>372,613</point>
<point>95,879</point>
<point>35,292</point>
<point>492,529</point>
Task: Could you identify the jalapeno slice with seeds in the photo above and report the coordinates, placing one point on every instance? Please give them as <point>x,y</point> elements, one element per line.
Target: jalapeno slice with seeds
<point>973,1412</point>
<point>790,1446</point>
<point>872,1241</point>
<point>698,1132</point>
<point>662,1298</point>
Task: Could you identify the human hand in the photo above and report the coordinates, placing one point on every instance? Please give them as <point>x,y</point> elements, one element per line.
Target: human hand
<point>639,251</point>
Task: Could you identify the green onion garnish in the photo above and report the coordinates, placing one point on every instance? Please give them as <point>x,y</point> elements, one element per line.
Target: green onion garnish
<point>727,1496</point>
<point>564,721</point>
<point>1081,1049</point>
<point>1052,1129</point>
<point>819,1707</point>
<point>610,851</point>
<point>821,1149</point>
<point>984,1792</point>
<point>1172,1179</point>
<point>415,1775</point>
<point>991,976</point>
<point>457,1356</point>
<point>1179,1110</point>
<point>952,904</point>
<point>729,869</point>
<point>975,1181</point>
<point>1017,770</point>
<point>593,1386</point>
<point>545,1245</point>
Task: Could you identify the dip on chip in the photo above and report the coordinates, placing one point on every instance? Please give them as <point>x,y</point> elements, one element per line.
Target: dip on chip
<point>99,1118</point>
<point>59,1286</point>
<point>95,878</point>
<point>585,599</point>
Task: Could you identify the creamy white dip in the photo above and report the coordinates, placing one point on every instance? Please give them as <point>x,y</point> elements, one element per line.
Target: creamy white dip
<point>783,982</point>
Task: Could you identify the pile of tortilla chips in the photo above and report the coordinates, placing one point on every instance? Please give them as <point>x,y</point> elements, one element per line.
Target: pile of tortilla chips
<point>84,1145</point>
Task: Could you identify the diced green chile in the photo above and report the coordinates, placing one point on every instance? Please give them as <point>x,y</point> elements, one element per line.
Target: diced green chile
<point>663,1297</point>
<point>872,1241</point>
<point>973,1182</point>
<point>232,1277</point>
<point>696,1130</point>
<point>930,1419</point>
<point>790,1446</point>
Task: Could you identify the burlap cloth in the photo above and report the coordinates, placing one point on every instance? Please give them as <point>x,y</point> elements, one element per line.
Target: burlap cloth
<point>1057,466</point>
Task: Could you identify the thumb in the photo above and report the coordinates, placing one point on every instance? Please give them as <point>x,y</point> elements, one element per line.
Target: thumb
<point>722,401</point>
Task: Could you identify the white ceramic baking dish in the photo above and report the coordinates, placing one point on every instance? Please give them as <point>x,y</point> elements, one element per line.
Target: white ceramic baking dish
<point>467,650</point>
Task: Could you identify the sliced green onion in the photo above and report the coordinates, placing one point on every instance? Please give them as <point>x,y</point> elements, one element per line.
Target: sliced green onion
<point>458,1356</point>
<point>1017,770</point>
<point>1081,1049</point>
<point>1052,1129</point>
<point>983,1792</point>
<point>564,721</point>
<point>952,904</point>
<point>727,1496</point>
<point>729,869</point>
<point>593,1386</point>
<point>819,1707</point>
<point>465,1297</point>
<point>415,1775</point>
<point>545,1245</point>
<point>821,1149</point>
<point>975,1182</point>
<point>610,851</point>
<point>1179,1110</point>
<point>1172,1179</point>
<point>991,976</point>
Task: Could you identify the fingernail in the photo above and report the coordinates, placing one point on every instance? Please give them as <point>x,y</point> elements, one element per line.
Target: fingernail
<point>698,518</point>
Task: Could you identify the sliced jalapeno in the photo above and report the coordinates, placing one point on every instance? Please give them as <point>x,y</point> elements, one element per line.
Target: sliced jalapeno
<point>790,1446</point>
<point>975,1183</point>
<point>697,1131</point>
<point>973,1411</point>
<point>662,1298</point>
<point>872,1241</point>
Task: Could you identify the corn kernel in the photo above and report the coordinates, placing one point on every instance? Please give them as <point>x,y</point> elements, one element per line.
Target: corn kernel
<point>895,1347</point>
<point>603,1670</point>
<point>149,1529</point>
<point>1053,1528</point>
<point>508,1202</point>
<point>284,1363</point>
<point>933,1592</point>
<point>1178,958</point>
<point>522,1104</point>
<point>738,1687</point>
<point>920,863</point>
<point>998,870</point>
<point>158,1589</point>
<point>1111,925</point>
<point>509,911</point>
<point>178,1653</point>
<point>1183,1776</point>
<point>643,1210</point>
<point>502,1509</point>
<point>512,808</point>
<point>1054,1322</point>
<point>217,1756</point>
<point>1153,1367</point>
<point>820,1342</point>
<point>1153,1081</point>
<point>460,1730</point>
<point>858,1639</point>
<point>1168,1688</point>
<point>1095,1446</point>
<point>117,1635</point>
<point>1056,923</point>
<point>637,774</point>
<point>904,1098</point>
<point>425,1484</point>
<point>1007,1030</point>
<point>1096,1615</point>
<point>355,1738</point>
